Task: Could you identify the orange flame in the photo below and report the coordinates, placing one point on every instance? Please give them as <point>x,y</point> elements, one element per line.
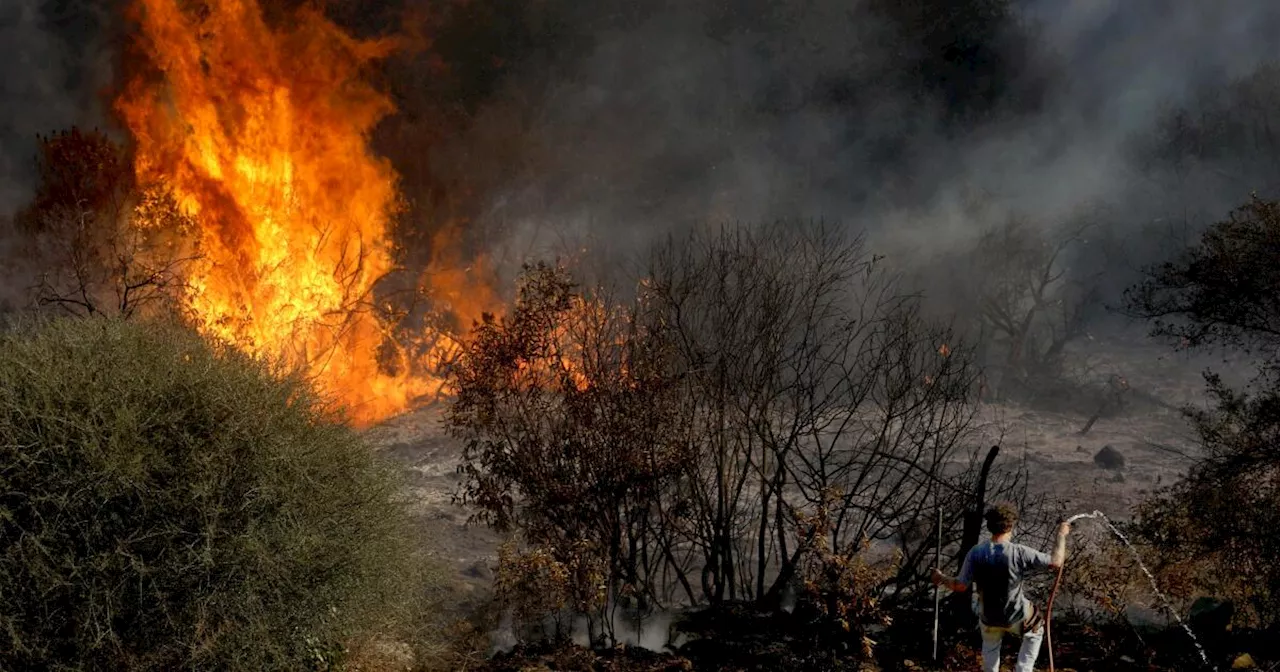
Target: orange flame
<point>262,134</point>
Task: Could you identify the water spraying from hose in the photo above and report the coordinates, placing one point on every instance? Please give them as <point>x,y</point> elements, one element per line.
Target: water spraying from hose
<point>1098,515</point>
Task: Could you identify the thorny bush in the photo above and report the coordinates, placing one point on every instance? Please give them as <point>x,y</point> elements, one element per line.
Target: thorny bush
<point>167,505</point>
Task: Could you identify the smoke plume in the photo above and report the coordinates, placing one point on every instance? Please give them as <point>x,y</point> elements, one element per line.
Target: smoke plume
<point>561,125</point>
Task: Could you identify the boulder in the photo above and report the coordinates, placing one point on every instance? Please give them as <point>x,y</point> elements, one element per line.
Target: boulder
<point>1109,458</point>
<point>478,570</point>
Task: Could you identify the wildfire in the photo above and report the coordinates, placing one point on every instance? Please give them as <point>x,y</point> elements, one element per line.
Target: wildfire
<point>262,135</point>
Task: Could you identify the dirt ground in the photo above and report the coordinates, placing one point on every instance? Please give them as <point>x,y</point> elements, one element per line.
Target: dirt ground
<point>1149,429</point>
<point>430,458</point>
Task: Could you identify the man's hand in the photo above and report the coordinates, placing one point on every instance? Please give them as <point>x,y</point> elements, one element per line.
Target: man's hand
<point>1060,548</point>
<point>940,579</point>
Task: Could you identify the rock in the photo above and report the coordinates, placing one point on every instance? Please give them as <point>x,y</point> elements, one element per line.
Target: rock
<point>478,570</point>
<point>1244,661</point>
<point>1109,458</point>
<point>1080,449</point>
<point>1118,478</point>
<point>1211,616</point>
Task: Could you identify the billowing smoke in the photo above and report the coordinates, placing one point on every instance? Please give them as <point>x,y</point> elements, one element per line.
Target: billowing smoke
<point>560,124</point>
<point>612,124</point>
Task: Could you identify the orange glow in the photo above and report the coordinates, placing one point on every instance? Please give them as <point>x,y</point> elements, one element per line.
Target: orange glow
<point>459,286</point>
<point>262,133</point>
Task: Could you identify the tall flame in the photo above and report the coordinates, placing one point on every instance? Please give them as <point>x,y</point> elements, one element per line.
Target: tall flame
<point>262,134</point>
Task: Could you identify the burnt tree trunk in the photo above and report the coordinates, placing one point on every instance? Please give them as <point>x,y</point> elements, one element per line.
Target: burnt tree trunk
<point>973,517</point>
<point>959,610</point>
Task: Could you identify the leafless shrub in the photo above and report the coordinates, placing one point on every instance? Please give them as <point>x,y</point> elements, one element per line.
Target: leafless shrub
<point>99,242</point>
<point>806,371</point>
<point>1028,303</point>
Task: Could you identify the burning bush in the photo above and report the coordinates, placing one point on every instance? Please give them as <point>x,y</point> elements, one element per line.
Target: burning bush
<point>171,505</point>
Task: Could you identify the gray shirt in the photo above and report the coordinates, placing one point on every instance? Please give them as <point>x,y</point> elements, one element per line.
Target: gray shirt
<point>998,569</point>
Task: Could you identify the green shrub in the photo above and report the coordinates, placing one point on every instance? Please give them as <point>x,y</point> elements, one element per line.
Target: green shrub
<point>167,504</point>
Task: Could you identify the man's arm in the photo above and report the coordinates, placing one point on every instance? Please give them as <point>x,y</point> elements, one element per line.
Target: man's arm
<point>950,583</point>
<point>958,584</point>
<point>1059,557</point>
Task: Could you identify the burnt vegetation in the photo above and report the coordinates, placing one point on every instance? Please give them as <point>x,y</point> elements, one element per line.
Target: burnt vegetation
<point>754,437</point>
<point>1222,294</point>
<point>766,418</point>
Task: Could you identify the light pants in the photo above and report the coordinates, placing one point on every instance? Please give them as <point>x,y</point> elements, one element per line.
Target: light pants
<point>991,638</point>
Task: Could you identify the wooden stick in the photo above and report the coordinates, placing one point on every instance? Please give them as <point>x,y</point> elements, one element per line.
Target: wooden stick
<point>937,596</point>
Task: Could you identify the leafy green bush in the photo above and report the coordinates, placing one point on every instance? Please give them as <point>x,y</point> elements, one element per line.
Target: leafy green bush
<point>167,504</point>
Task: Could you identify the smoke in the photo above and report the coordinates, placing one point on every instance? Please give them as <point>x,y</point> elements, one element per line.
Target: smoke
<point>652,631</point>
<point>751,111</point>
<point>55,65</point>
<point>562,125</point>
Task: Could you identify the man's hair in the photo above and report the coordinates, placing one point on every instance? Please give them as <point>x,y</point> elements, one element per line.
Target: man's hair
<point>1001,517</point>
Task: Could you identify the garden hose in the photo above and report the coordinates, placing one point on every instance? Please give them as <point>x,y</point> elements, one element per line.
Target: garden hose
<point>1048,615</point>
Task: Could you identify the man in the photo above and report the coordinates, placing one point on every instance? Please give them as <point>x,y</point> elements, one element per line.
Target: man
<point>997,568</point>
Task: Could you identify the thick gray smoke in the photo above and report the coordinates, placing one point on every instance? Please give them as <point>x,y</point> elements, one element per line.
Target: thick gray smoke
<point>609,122</point>
<point>818,109</point>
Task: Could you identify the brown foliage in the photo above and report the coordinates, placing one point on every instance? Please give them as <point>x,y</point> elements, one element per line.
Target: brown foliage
<point>539,583</point>
<point>562,412</point>
<point>842,583</point>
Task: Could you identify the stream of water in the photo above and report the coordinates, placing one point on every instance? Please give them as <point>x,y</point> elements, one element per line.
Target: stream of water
<point>1098,515</point>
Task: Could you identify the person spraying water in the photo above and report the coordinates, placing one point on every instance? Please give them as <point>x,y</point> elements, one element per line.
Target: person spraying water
<point>996,568</point>
<point>1098,515</point>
